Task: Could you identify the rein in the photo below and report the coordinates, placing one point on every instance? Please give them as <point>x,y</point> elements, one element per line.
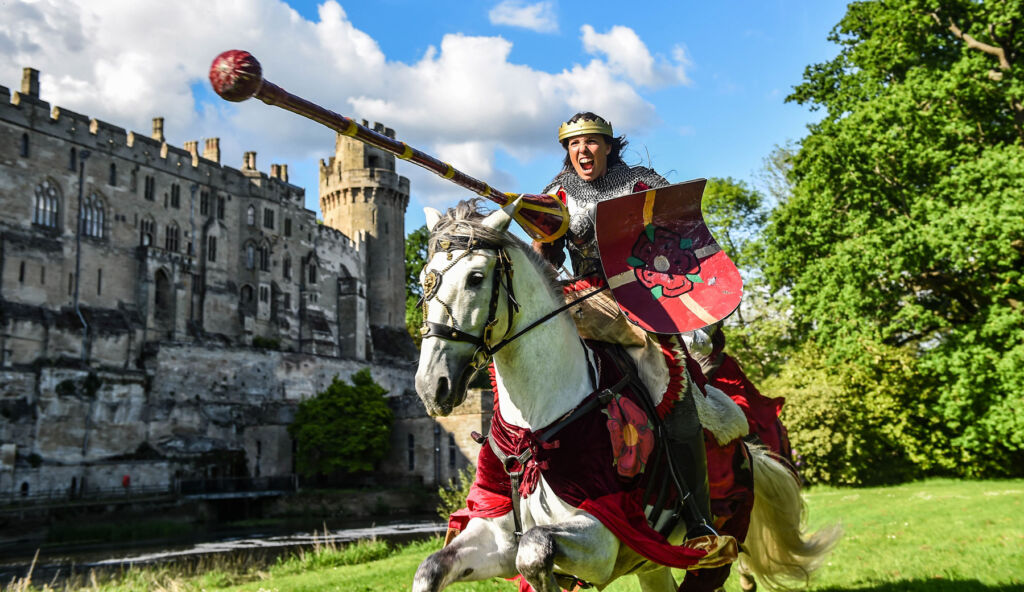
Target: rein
<point>502,277</point>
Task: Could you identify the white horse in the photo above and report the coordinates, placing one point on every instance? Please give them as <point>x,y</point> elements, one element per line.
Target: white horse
<point>474,304</point>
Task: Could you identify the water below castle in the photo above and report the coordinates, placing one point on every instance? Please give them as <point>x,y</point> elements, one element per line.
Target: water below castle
<point>251,544</point>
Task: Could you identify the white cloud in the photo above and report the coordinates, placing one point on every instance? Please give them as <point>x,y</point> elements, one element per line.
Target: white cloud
<point>125,62</point>
<point>539,16</point>
<point>628,56</point>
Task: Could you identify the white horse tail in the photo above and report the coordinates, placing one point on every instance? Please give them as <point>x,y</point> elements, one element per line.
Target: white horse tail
<point>777,549</point>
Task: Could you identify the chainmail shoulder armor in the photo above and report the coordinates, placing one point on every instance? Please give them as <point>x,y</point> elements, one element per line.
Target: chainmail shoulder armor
<point>583,196</point>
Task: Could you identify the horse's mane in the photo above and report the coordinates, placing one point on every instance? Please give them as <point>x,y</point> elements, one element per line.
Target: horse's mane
<point>465,219</point>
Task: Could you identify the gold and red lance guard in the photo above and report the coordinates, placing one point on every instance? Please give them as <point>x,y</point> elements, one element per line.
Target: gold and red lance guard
<point>236,76</point>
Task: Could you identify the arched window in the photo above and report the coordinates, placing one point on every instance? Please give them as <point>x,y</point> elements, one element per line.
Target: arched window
<point>146,232</point>
<point>175,196</point>
<point>312,273</point>
<point>246,294</point>
<point>72,159</point>
<point>264,253</point>
<point>250,256</point>
<point>286,267</point>
<point>411,451</point>
<point>92,216</point>
<point>47,204</point>
<point>23,150</point>
<point>211,248</point>
<point>250,216</point>
<point>172,237</point>
<point>112,179</point>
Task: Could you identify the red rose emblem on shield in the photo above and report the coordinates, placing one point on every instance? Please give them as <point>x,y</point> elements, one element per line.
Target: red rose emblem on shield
<point>664,262</point>
<point>632,436</point>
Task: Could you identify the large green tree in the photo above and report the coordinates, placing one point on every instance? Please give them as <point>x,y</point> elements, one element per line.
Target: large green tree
<point>345,428</point>
<point>905,228</point>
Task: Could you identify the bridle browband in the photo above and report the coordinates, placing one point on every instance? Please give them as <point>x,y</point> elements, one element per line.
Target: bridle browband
<point>503,273</point>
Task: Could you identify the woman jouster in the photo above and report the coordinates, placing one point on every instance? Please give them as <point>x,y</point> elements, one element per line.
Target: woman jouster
<point>593,171</point>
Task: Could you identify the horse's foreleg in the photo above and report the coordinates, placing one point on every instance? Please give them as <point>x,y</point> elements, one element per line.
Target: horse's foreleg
<point>657,580</point>
<point>484,550</point>
<point>580,547</point>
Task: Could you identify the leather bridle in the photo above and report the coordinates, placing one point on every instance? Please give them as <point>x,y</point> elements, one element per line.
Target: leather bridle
<point>502,276</point>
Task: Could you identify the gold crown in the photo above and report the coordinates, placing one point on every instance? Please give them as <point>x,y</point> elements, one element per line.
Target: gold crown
<point>584,126</point>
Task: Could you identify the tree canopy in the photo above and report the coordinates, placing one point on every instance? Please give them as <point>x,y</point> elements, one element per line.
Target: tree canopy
<point>415,259</point>
<point>904,234</point>
<point>344,428</point>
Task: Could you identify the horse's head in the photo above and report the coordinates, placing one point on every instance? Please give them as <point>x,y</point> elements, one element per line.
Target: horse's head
<point>466,302</point>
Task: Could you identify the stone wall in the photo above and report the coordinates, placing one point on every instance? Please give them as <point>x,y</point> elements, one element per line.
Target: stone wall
<point>193,412</point>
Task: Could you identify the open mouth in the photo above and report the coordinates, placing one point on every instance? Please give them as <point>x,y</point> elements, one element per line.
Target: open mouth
<point>586,163</point>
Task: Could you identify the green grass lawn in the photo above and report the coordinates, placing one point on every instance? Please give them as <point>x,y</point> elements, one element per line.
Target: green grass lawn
<point>933,536</point>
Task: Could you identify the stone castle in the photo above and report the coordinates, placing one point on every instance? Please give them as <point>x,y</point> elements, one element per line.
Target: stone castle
<point>171,332</point>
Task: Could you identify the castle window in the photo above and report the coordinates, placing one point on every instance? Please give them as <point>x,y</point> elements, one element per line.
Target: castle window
<point>287,226</point>
<point>23,150</point>
<point>250,256</point>
<point>172,237</point>
<point>264,253</point>
<point>211,248</point>
<point>21,273</point>
<point>452,456</point>
<point>99,282</point>
<point>312,273</point>
<point>71,284</point>
<point>175,196</point>
<point>204,203</point>
<point>246,294</point>
<point>47,204</point>
<point>150,190</point>
<point>268,218</point>
<point>250,216</point>
<point>112,179</point>
<point>264,294</point>
<point>72,159</point>
<point>92,216</point>
<point>220,208</point>
<point>146,232</point>
<point>288,301</point>
<point>410,451</point>
<point>42,275</point>
<point>286,268</point>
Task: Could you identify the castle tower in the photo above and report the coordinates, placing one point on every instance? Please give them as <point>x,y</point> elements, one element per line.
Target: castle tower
<point>360,193</point>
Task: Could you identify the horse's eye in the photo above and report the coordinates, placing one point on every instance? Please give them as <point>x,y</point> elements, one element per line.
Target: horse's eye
<point>475,279</point>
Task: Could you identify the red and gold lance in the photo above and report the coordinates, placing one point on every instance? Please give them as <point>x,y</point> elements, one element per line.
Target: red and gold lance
<point>236,76</point>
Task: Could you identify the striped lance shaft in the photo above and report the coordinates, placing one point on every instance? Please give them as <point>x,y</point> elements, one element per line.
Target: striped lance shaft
<point>236,76</point>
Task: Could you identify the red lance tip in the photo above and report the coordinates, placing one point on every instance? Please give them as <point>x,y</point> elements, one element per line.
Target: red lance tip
<point>236,75</point>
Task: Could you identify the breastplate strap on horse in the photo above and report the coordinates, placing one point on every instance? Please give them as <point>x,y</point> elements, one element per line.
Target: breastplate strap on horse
<point>665,269</point>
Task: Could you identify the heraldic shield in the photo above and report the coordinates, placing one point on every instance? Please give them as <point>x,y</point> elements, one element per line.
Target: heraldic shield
<point>666,271</point>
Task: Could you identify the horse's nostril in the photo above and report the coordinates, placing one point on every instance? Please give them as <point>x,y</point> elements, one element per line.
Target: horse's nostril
<point>441,393</point>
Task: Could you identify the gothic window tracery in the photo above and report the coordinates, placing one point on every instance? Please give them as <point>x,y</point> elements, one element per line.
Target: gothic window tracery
<point>146,229</point>
<point>250,256</point>
<point>172,237</point>
<point>47,204</point>
<point>264,256</point>
<point>93,216</point>
<point>250,216</point>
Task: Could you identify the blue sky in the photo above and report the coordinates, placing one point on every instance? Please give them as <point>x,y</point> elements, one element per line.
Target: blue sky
<point>697,87</point>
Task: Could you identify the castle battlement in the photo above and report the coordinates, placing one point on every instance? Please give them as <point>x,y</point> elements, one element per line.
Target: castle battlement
<point>27,110</point>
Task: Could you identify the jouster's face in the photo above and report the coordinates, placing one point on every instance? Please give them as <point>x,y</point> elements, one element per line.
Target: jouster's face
<point>589,155</point>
